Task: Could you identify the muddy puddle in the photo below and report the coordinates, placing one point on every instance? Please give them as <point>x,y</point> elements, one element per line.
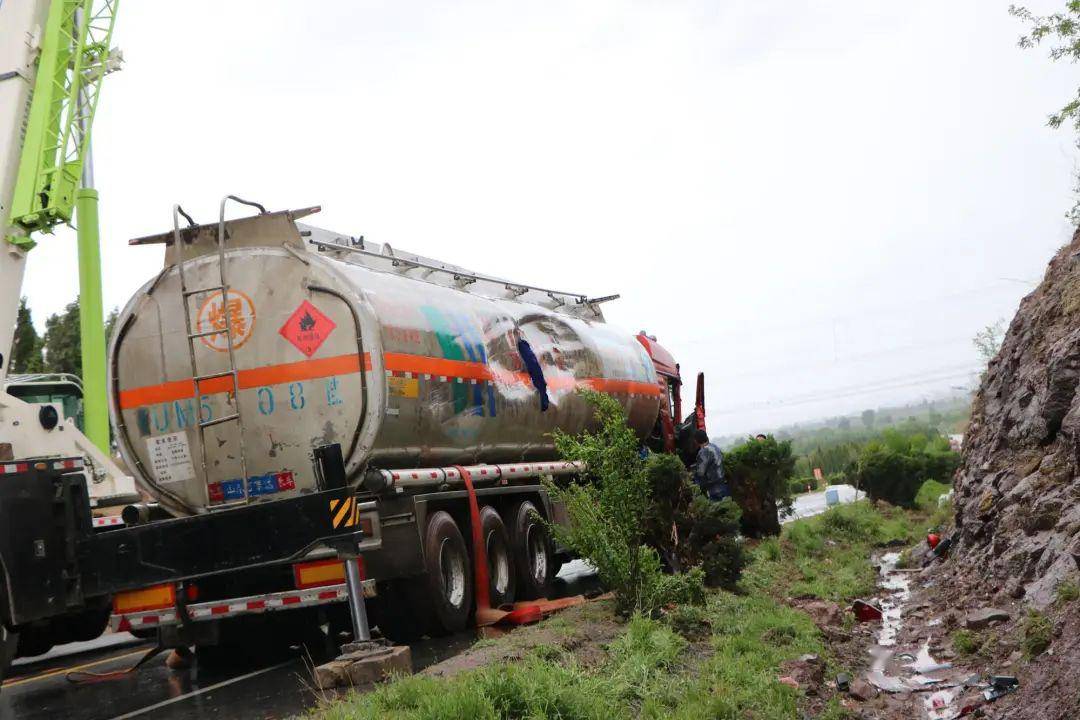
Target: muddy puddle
<point>907,672</point>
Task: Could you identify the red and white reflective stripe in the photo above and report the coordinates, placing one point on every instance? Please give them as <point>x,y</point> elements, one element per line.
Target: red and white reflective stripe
<point>480,473</point>
<point>254,604</point>
<point>67,464</point>
<point>108,521</point>
<point>14,468</point>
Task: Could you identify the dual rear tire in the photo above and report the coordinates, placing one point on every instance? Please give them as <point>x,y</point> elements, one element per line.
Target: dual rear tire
<point>440,602</point>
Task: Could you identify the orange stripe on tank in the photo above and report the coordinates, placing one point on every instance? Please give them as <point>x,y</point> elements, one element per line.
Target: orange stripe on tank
<point>251,378</point>
<point>348,364</point>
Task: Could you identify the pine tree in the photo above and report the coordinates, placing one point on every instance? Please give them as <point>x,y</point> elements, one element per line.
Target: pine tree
<point>63,344</point>
<point>26,350</point>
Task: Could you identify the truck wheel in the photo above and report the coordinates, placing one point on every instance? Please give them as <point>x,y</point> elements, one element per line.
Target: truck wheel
<point>501,574</point>
<point>449,591</point>
<point>9,643</point>
<point>532,552</point>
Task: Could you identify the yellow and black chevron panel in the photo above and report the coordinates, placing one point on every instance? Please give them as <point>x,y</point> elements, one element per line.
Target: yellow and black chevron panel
<point>345,513</point>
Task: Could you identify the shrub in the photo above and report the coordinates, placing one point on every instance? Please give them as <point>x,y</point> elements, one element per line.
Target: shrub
<point>610,512</point>
<point>965,642</point>
<point>759,474</point>
<point>690,530</point>
<point>1037,631</point>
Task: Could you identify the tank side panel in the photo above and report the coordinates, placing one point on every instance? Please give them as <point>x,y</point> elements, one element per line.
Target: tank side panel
<point>457,388</point>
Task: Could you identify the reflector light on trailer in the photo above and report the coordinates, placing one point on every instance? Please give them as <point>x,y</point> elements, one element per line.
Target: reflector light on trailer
<point>67,465</point>
<point>320,572</point>
<point>156,597</point>
<point>15,468</point>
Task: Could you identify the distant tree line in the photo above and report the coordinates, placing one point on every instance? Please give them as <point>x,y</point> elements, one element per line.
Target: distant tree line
<point>59,350</point>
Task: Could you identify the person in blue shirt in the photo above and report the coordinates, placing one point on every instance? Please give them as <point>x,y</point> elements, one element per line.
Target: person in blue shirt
<point>709,468</point>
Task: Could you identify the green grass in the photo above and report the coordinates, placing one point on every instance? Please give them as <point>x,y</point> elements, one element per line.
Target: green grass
<point>929,492</point>
<point>720,660</point>
<point>1067,592</point>
<point>827,556</point>
<point>966,642</point>
<point>1036,633</point>
<point>648,673</point>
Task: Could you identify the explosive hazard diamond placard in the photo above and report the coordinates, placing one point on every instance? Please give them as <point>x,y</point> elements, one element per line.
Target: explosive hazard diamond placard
<point>307,328</point>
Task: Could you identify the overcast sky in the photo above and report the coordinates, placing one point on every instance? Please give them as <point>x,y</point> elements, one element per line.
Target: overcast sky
<point>818,204</point>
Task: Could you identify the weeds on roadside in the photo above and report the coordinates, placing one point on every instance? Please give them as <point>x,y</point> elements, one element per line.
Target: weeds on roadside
<point>1037,631</point>
<point>966,642</point>
<point>1067,592</point>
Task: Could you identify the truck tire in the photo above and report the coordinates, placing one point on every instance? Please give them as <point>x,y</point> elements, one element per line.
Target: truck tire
<point>9,643</point>
<point>532,551</point>
<point>448,593</point>
<point>502,576</point>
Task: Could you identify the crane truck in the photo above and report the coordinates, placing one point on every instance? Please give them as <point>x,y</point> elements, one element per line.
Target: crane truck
<point>288,396</point>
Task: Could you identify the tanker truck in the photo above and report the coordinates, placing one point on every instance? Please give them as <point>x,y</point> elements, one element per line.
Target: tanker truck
<point>264,337</point>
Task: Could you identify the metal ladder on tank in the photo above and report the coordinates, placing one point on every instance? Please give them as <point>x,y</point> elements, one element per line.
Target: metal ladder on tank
<point>186,294</point>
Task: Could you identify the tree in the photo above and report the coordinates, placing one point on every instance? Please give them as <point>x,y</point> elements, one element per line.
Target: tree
<point>110,324</point>
<point>988,341</point>
<point>868,418</point>
<point>1062,30</point>
<point>759,474</point>
<point>63,344</point>
<point>26,350</point>
<point>609,513</point>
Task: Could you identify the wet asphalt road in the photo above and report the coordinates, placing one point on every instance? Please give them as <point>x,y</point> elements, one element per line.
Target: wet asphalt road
<point>249,688</point>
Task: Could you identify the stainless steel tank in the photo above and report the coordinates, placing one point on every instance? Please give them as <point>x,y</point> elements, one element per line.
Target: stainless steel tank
<point>403,360</point>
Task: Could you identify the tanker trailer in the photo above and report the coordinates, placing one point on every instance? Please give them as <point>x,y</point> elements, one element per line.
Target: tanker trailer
<point>228,367</point>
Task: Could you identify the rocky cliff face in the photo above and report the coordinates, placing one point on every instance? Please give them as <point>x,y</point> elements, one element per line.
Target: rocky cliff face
<point>1017,492</point>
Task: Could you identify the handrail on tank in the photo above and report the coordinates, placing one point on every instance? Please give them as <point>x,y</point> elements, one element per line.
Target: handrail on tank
<point>457,274</point>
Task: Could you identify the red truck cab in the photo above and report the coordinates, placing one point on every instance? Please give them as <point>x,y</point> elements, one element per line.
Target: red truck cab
<point>672,433</point>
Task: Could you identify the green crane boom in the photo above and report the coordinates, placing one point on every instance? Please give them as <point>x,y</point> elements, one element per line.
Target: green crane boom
<point>75,57</point>
<point>53,180</point>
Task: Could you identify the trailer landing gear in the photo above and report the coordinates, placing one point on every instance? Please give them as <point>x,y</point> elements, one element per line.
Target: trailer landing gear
<point>363,661</point>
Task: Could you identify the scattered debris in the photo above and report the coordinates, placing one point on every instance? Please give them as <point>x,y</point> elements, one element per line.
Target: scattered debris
<point>865,612</point>
<point>932,539</point>
<point>823,612</point>
<point>941,550</point>
<point>843,682</point>
<point>808,672</point>
<point>1000,685</point>
<point>862,690</point>
<point>789,681</point>
<point>979,619</point>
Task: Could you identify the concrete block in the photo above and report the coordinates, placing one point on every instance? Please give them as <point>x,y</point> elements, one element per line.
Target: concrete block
<point>365,666</point>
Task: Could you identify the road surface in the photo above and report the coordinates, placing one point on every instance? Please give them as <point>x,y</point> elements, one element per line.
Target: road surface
<point>253,688</point>
<point>816,503</point>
